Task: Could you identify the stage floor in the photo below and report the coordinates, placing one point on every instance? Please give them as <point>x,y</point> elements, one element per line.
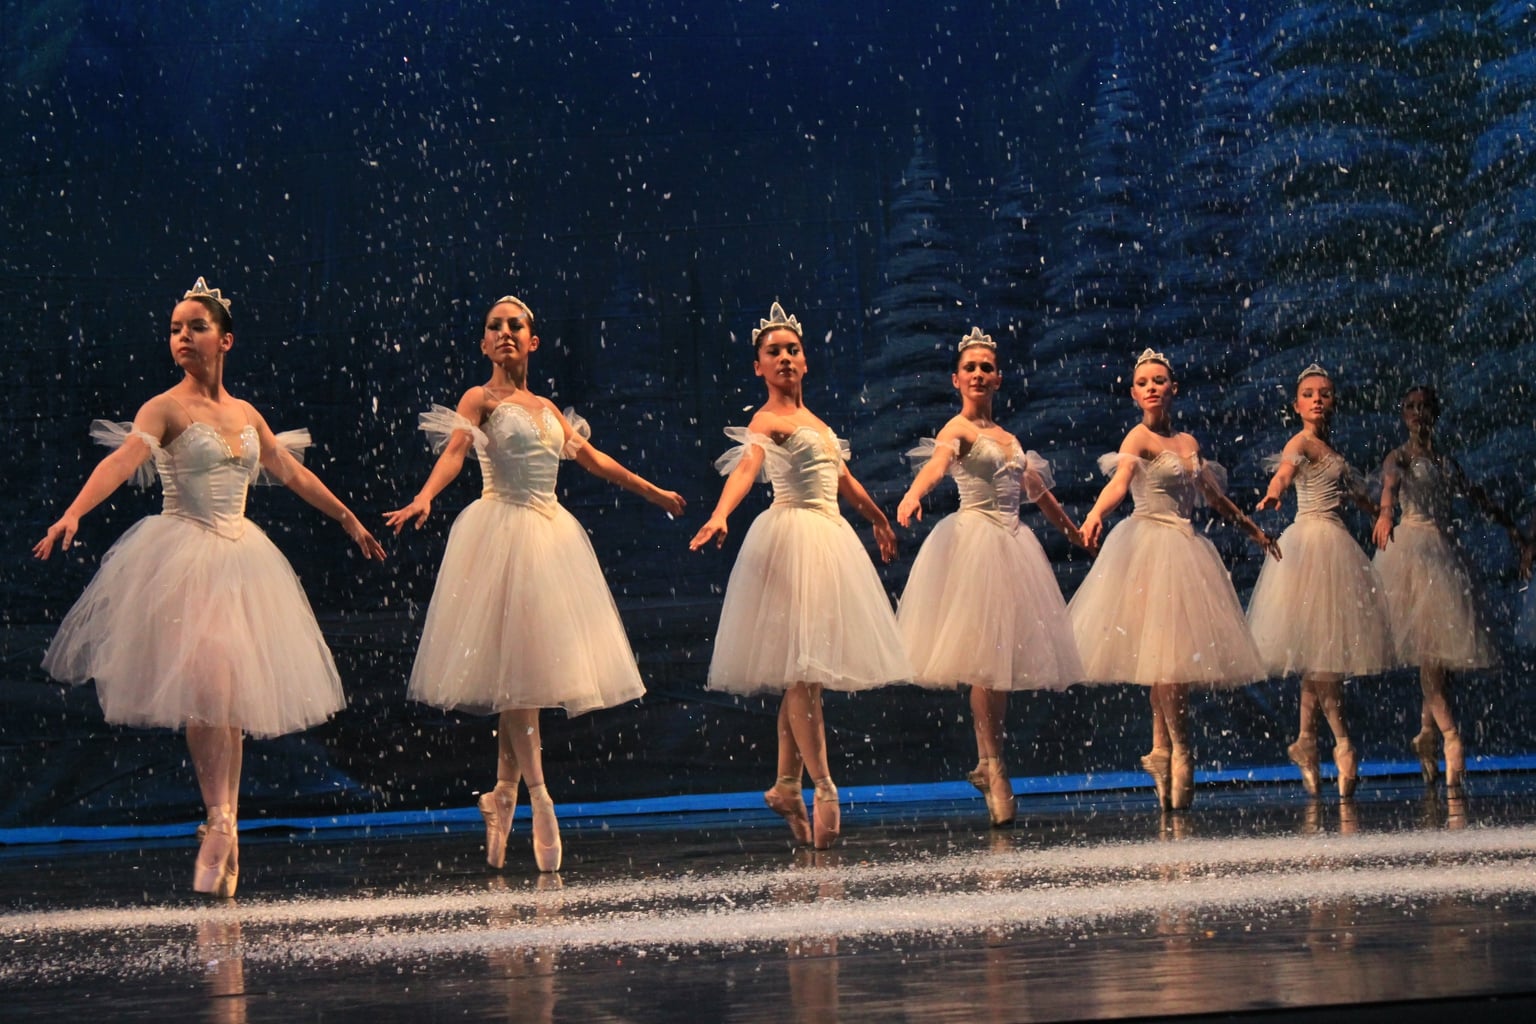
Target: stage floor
<point>1399,906</point>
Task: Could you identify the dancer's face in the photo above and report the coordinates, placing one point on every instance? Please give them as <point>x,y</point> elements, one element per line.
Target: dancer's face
<point>1418,411</point>
<point>780,358</point>
<point>1152,386</point>
<point>1314,399</point>
<point>978,374</point>
<point>195,337</point>
<point>508,334</point>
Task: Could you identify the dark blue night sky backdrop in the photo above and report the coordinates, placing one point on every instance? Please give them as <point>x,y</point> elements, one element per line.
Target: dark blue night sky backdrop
<point>1248,186</point>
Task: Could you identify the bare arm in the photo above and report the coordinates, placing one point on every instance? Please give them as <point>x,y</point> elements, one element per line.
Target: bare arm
<point>853,492</point>
<point>1057,517</point>
<point>928,477</point>
<point>1284,474</point>
<point>735,489</point>
<point>110,474</point>
<point>444,471</point>
<point>1381,532</point>
<point>1109,499</point>
<point>1228,510</point>
<point>299,479</point>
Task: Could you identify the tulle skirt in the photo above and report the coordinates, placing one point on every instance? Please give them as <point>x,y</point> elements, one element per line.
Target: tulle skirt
<point>1158,607</point>
<point>982,607</point>
<point>183,625</point>
<point>521,617</point>
<point>1430,597</point>
<point>804,604</point>
<point>1321,608</point>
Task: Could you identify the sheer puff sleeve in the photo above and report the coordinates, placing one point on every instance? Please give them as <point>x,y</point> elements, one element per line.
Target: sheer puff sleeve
<point>293,442</point>
<point>726,464</point>
<point>1038,479</point>
<point>439,423</point>
<point>111,434</point>
<point>581,433</point>
<point>918,457</point>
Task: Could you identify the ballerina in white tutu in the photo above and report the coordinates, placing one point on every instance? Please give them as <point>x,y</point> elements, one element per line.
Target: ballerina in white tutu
<point>804,608</point>
<point>1158,608</point>
<point>1322,612</point>
<point>982,606</point>
<point>195,620</point>
<point>521,617</point>
<point>1437,622</point>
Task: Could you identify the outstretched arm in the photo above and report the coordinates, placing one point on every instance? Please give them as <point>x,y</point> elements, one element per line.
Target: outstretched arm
<point>1381,533</point>
<point>445,470</point>
<point>736,487</point>
<point>850,490</point>
<point>1228,510</point>
<point>1057,517</point>
<point>110,474</point>
<point>605,467</point>
<point>1486,505</point>
<point>1109,499</point>
<point>299,479</point>
<point>944,455</point>
<point>1284,474</point>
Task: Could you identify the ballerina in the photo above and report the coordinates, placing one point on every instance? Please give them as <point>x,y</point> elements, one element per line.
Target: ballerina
<point>982,606</point>
<point>1322,612</point>
<point>1158,608</point>
<point>521,617</point>
<point>195,620</point>
<point>1437,623</point>
<point>804,608</point>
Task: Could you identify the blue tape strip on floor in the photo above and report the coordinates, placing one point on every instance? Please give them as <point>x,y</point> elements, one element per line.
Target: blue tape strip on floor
<point>926,792</point>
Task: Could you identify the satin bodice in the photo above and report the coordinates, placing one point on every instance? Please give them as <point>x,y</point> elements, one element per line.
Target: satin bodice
<point>1320,486</point>
<point>1424,492</point>
<point>804,469</point>
<point>520,456</point>
<point>205,480</point>
<point>991,479</point>
<point>1166,487</point>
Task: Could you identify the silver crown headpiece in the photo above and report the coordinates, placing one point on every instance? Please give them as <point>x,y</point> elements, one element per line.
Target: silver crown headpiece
<point>1313,371</point>
<point>777,318</point>
<point>977,340</point>
<point>1150,356</point>
<point>516,302</point>
<point>202,291</point>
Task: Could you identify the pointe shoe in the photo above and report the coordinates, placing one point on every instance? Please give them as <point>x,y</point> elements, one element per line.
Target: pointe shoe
<point>1424,746</point>
<point>1001,805</point>
<point>213,851</point>
<point>229,879</point>
<point>828,814</point>
<point>1158,765</point>
<point>545,855</point>
<point>497,808</point>
<point>1303,755</point>
<point>785,799</point>
<point>1455,761</point>
<point>1347,760</point>
<point>1181,789</point>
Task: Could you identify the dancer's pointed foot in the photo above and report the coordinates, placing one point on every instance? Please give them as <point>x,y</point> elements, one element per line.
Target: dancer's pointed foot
<point>497,808</point>
<point>786,799</point>
<point>1181,787</point>
<point>1455,761</point>
<point>213,852</point>
<point>546,829</point>
<point>1158,764</point>
<point>1303,754</point>
<point>828,814</point>
<point>1424,746</point>
<point>1001,805</point>
<point>1347,760</point>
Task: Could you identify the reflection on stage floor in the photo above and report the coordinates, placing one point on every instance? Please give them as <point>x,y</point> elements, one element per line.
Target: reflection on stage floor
<point>1400,904</point>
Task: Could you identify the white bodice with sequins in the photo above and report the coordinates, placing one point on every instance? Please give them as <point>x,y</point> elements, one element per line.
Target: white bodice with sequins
<point>1424,493</point>
<point>520,456</point>
<point>804,468</point>
<point>1165,487</point>
<point>205,479</point>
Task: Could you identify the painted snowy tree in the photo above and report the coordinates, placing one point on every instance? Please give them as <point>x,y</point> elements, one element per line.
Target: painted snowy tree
<point>1494,251</point>
<point>1357,172</point>
<point>918,318</point>
<point>1207,273</point>
<point>1098,289</point>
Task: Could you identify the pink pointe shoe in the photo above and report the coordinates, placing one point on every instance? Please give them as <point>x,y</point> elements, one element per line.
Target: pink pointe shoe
<point>211,874</point>
<point>1423,745</point>
<point>1303,754</point>
<point>1181,783</point>
<point>1455,762</point>
<point>829,814</point>
<point>991,778</point>
<point>1347,760</point>
<point>546,830</point>
<point>1158,764</point>
<point>497,808</point>
<point>786,800</point>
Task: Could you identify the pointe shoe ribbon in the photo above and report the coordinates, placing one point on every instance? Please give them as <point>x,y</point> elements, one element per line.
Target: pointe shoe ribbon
<point>997,788</point>
<point>1181,782</point>
<point>214,850</point>
<point>1347,760</point>
<point>1156,763</point>
<point>785,799</point>
<point>497,807</point>
<point>1423,745</point>
<point>1303,755</point>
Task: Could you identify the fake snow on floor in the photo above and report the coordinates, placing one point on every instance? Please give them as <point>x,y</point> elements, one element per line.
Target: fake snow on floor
<point>1069,890</point>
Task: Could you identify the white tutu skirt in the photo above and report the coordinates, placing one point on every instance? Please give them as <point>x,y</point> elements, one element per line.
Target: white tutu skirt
<point>183,625</point>
<point>804,604</point>
<point>1321,608</point>
<point>1158,607</point>
<point>1430,597</point>
<point>521,617</point>
<point>982,607</point>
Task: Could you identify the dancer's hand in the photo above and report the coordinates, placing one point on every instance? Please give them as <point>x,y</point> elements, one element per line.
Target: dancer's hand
<point>713,530</point>
<point>885,537</point>
<point>369,545</point>
<point>1091,532</point>
<point>417,510</point>
<point>61,533</point>
<point>1381,533</point>
<point>669,501</point>
<point>909,509</point>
